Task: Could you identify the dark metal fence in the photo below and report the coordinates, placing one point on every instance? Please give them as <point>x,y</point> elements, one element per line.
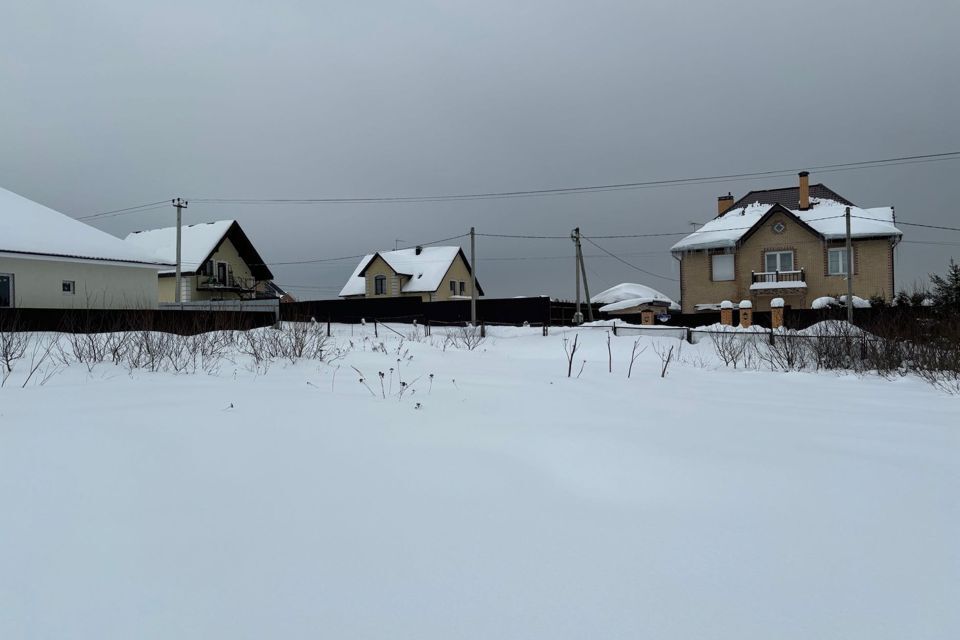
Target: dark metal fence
<point>182,322</point>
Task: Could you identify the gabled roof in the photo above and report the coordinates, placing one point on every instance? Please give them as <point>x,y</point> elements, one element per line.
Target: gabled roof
<point>27,227</point>
<point>198,242</point>
<point>425,270</point>
<point>825,218</point>
<point>789,197</point>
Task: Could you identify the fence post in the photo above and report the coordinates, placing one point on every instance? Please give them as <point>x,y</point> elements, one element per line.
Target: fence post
<point>328,326</point>
<point>545,331</point>
<point>483,330</point>
<point>426,327</point>
<point>689,335</point>
<point>375,333</point>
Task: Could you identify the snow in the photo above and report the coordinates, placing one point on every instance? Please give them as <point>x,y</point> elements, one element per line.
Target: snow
<point>631,291</point>
<point>728,328</point>
<point>630,303</point>
<point>858,302</point>
<point>826,217</point>
<point>726,304</point>
<point>777,303</point>
<point>197,242</point>
<point>426,271</point>
<point>824,302</point>
<point>30,228</point>
<point>745,304</point>
<point>791,284</point>
<point>287,502</point>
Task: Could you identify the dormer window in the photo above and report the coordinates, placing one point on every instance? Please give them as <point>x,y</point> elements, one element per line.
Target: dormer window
<point>380,285</point>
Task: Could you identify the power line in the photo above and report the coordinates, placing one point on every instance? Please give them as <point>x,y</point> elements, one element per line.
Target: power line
<point>917,224</point>
<point>355,257</point>
<point>952,155</point>
<point>558,191</point>
<point>149,206</point>
<point>613,255</point>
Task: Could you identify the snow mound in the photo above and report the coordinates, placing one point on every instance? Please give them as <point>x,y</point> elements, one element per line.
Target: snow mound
<point>858,302</point>
<point>824,303</point>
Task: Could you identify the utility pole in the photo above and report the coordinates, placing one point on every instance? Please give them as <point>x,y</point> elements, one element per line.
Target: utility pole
<point>583,272</point>
<point>575,236</point>
<point>180,204</point>
<point>473,276</point>
<point>849,271</point>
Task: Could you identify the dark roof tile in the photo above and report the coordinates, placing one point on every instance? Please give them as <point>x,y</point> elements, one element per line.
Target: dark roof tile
<point>788,197</point>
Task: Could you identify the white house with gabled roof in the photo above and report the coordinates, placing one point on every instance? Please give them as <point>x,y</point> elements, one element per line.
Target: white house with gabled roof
<point>218,262</point>
<point>429,273</point>
<point>50,260</point>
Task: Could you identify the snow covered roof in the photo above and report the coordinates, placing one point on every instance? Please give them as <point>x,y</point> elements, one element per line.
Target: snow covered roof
<point>826,217</point>
<point>630,294</point>
<point>30,228</point>
<point>425,269</point>
<point>197,242</point>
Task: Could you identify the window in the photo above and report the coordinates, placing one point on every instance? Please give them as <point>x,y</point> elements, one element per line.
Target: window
<point>837,261</point>
<point>463,287</point>
<point>453,287</point>
<point>778,261</point>
<point>69,287</point>
<point>6,290</point>
<point>380,286</point>
<point>722,267</point>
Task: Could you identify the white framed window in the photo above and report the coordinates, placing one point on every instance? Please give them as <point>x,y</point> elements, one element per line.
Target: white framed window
<point>6,290</point>
<point>453,287</point>
<point>837,261</point>
<point>722,267</point>
<point>380,285</point>
<point>69,287</point>
<point>778,261</point>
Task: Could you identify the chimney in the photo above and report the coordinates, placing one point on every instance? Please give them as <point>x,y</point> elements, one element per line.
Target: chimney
<point>804,190</point>
<point>419,249</point>
<point>723,204</point>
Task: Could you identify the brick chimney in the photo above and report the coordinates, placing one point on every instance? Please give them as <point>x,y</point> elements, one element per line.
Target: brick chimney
<point>723,204</point>
<point>804,190</point>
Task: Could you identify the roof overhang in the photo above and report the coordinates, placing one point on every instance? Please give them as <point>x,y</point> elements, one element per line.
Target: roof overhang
<point>53,257</point>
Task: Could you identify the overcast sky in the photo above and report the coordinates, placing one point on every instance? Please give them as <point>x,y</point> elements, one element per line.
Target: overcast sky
<point>112,103</point>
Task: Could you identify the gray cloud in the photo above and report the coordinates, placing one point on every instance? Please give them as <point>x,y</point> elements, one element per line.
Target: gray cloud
<point>108,104</point>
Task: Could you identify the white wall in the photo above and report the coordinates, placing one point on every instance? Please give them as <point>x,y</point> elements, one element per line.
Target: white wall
<point>39,284</point>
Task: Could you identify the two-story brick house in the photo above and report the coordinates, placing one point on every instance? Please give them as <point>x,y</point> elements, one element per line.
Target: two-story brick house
<point>786,243</point>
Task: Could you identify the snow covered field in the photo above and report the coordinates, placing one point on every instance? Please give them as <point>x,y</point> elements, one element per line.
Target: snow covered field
<point>289,501</point>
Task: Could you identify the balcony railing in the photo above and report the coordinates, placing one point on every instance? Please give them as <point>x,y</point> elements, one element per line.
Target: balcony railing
<point>778,276</point>
<point>230,283</point>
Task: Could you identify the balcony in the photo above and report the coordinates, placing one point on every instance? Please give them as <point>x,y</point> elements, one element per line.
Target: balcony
<point>230,283</point>
<point>773,280</point>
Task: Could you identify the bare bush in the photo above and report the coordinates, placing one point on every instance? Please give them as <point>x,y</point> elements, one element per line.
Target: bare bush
<point>785,353</point>
<point>570,348</point>
<point>729,346</point>
<point>666,355</point>
<point>13,344</point>
<point>468,337</point>
<point>634,354</point>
